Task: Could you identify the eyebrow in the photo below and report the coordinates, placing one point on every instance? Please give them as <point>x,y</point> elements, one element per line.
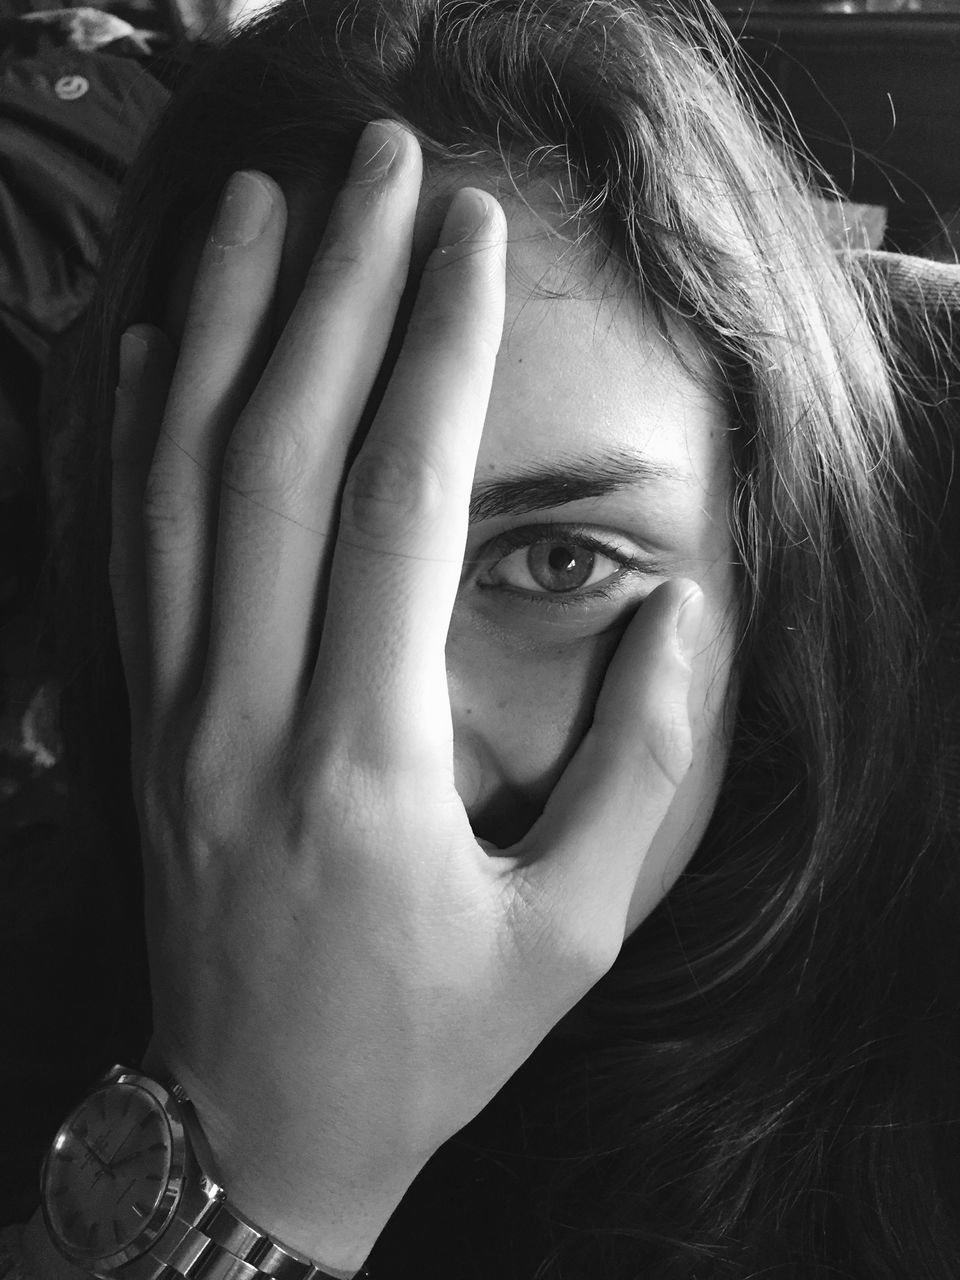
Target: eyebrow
<point>569,479</point>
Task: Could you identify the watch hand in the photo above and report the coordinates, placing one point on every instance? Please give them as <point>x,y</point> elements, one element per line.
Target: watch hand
<point>99,1159</point>
<point>113,1158</point>
<point>132,1183</point>
<point>118,1164</point>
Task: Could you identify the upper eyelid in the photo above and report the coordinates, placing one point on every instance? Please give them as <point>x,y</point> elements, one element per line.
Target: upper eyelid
<point>593,536</point>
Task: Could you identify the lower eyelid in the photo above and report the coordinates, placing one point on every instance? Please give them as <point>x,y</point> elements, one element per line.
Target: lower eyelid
<point>609,590</point>
<point>525,620</point>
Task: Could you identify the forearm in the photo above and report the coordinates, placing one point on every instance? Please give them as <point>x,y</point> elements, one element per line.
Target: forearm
<point>41,1260</point>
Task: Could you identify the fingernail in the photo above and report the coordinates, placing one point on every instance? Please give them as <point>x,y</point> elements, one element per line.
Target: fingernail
<point>376,151</point>
<point>689,617</point>
<point>244,211</point>
<point>133,356</point>
<point>466,215</point>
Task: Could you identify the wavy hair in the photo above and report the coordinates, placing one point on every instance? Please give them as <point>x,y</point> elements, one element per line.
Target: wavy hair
<point>763,1085</point>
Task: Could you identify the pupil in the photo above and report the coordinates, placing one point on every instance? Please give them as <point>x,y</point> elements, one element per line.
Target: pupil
<point>562,560</point>
<point>558,566</point>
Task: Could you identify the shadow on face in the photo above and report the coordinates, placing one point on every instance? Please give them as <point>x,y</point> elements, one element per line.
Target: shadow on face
<point>603,471</point>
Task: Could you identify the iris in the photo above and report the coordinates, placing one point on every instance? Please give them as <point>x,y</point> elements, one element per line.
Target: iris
<point>560,566</point>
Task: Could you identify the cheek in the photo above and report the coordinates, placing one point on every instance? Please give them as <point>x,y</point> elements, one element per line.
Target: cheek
<point>518,716</point>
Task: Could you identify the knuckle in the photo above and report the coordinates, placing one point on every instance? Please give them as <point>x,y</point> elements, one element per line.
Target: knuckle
<point>349,264</point>
<point>390,491</point>
<point>169,508</point>
<point>329,802</point>
<point>265,458</point>
<point>179,808</point>
<point>310,796</point>
<point>201,783</point>
<point>342,255</point>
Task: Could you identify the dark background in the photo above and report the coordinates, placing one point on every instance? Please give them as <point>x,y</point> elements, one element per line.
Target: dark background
<point>875,96</point>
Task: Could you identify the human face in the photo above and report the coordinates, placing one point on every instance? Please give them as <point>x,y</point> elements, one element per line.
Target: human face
<point>603,471</point>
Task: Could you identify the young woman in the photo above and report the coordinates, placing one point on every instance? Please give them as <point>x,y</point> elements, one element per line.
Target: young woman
<point>525,568</point>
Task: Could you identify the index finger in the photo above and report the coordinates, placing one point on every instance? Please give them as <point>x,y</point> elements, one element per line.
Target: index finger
<point>380,672</point>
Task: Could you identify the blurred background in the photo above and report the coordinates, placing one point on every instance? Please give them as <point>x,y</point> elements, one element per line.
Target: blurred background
<point>871,89</point>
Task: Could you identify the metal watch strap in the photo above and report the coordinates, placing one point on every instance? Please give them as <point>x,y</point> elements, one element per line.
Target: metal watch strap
<point>221,1244</point>
<point>207,1238</point>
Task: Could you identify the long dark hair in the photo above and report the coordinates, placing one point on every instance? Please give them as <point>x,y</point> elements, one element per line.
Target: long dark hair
<point>766,1083</point>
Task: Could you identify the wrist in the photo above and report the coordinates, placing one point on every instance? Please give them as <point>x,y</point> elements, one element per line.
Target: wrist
<point>335,1230</point>
<point>327,1209</point>
<point>331,1211</point>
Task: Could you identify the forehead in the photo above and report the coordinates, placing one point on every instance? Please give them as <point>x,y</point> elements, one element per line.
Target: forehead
<point>583,369</point>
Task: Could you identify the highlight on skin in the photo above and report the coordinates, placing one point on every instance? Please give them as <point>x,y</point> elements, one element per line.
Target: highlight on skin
<point>747,1088</point>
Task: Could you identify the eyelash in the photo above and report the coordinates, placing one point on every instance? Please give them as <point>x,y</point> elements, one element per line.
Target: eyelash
<point>497,550</point>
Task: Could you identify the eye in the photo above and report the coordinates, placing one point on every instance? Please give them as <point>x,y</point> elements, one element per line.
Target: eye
<point>557,565</point>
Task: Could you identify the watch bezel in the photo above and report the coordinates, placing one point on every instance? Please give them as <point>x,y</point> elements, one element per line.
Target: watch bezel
<point>165,1207</point>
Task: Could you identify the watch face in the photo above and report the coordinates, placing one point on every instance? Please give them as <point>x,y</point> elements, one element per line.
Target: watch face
<point>111,1179</point>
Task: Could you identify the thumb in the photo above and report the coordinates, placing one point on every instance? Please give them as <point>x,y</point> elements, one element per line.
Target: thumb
<point>581,860</point>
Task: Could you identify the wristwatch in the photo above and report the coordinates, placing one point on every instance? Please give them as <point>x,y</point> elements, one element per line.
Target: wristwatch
<point>125,1197</point>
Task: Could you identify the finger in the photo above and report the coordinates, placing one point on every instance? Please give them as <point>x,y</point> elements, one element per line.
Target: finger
<point>381,674</point>
<point>146,367</point>
<point>582,859</point>
<point>224,347</point>
<point>285,462</point>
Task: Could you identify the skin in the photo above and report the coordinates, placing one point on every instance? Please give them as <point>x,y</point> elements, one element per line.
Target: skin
<point>399,815</point>
<point>582,371</point>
